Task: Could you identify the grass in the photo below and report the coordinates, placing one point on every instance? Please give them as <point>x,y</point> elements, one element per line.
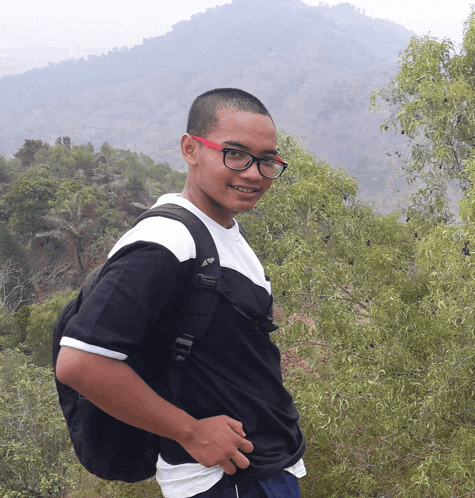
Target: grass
<point>90,486</point>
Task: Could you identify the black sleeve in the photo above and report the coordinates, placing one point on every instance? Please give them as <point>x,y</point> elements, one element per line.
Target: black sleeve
<point>138,284</point>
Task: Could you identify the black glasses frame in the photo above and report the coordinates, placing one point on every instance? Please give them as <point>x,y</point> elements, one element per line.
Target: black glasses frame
<point>258,160</point>
<point>254,159</point>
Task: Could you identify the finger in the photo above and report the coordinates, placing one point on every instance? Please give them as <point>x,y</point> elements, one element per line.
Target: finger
<point>246,446</point>
<point>240,461</point>
<point>229,467</point>
<point>236,426</point>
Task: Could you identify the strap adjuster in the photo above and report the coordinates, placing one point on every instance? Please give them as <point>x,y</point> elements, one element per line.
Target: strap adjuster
<point>204,281</point>
<point>182,347</point>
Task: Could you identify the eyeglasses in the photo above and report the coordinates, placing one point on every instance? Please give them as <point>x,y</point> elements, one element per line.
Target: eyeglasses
<point>238,160</point>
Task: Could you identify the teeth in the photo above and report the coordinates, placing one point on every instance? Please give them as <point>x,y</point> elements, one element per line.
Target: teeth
<point>245,190</point>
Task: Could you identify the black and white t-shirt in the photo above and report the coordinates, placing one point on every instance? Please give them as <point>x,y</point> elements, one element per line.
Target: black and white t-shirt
<point>234,369</point>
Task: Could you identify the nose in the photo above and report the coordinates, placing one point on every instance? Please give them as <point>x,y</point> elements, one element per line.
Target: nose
<point>252,172</point>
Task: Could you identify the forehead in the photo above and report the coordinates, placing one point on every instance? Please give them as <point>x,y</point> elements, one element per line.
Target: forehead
<point>244,126</point>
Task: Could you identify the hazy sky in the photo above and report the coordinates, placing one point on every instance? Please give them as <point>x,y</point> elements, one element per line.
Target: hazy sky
<point>79,27</point>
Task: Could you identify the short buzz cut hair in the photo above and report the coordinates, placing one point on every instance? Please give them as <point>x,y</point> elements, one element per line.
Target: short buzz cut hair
<point>202,116</point>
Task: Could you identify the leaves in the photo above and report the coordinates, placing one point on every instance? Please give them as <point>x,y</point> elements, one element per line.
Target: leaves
<point>35,452</point>
<point>30,198</point>
<point>432,101</point>
<point>382,320</point>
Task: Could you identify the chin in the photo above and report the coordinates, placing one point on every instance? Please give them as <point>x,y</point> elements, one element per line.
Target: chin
<point>243,207</point>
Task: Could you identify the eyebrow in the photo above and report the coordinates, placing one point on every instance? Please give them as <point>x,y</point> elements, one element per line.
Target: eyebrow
<point>237,144</point>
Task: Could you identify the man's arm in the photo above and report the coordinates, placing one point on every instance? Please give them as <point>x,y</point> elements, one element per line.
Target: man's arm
<point>115,388</point>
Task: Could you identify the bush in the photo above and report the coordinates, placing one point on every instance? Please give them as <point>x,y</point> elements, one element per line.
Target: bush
<point>382,316</point>
<point>90,486</point>
<point>6,326</point>
<point>39,339</point>
<point>35,452</point>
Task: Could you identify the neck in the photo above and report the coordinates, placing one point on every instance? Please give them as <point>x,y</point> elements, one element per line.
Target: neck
<point>209,207</point>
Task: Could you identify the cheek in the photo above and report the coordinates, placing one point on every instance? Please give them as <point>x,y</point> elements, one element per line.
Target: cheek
<point>211,185</point>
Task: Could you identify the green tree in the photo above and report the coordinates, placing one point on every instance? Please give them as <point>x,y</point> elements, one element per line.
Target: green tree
<point>3,170</point>
<point>84,158</point>
<point>27,152</point>
<point>58,160</point>
<point>29,199</point>
<point>11,249</point>
<point>7,173</point>
<point>65,160</point>
<point>165,179</point>
<point>431,101</point>
<point>74,220</point>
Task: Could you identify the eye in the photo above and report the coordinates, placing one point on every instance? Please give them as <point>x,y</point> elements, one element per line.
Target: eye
<point>269,162</point>
<point>236,154</point>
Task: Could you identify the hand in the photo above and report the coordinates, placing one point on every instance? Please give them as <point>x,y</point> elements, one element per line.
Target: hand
<point>219,441</point>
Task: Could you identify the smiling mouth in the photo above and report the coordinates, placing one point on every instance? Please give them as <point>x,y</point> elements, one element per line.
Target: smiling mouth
<point>245,190</point>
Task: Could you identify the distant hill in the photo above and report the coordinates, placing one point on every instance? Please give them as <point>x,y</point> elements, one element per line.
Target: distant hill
<point>313,67</point>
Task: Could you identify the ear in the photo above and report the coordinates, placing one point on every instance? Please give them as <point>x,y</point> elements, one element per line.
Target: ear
<point>189,149</point>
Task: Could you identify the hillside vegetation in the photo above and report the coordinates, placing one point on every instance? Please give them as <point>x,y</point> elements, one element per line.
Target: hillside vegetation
<point>376,325</point>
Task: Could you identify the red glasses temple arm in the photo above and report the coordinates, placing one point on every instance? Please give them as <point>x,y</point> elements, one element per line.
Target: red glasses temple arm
<point>208,143</point>
<point>212,145</point>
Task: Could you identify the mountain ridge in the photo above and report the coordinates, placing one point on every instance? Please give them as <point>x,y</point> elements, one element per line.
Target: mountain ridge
<point>313,67</point>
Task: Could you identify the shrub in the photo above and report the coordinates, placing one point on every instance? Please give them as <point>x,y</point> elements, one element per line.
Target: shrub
<point>35,452</point>
<point>90,486</point>
<point>39,338</point>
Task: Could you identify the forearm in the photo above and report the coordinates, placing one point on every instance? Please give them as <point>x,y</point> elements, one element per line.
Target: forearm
<point>115,388</point>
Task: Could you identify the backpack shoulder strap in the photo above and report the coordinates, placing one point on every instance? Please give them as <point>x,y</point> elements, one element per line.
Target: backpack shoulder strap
<point>200,301</point>
<point>243,233</point>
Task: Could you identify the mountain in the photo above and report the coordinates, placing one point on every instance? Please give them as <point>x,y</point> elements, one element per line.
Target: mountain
<point>31,42</point>
<point>313,67</point>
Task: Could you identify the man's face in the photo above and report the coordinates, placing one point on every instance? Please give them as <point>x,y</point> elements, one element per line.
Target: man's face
<point>219,192</point>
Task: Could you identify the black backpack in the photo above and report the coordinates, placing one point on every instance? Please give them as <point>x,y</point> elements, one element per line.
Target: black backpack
<point>105,446</point>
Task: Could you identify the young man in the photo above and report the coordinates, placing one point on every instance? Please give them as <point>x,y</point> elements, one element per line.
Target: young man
<point>229,427</point>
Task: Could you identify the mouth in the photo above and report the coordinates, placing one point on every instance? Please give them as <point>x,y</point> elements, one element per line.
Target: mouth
<point>245,190</point>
